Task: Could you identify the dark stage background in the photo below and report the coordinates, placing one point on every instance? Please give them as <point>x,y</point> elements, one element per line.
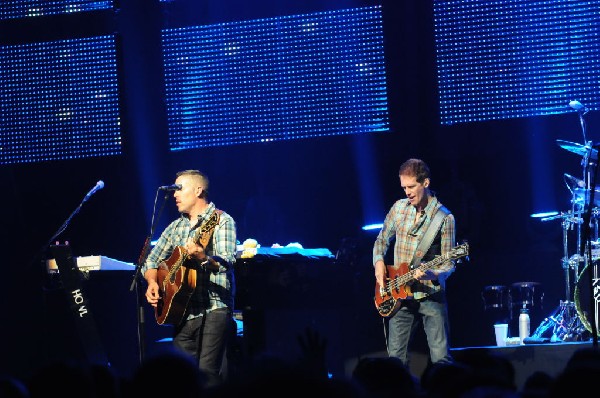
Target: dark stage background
<point>489,174</point>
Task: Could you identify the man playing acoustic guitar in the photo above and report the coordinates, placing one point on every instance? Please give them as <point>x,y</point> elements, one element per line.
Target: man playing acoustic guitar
<point>423,230</point>
<point>190,275</point>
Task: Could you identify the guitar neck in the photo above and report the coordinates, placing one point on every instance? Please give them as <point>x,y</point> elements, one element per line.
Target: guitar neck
<point>424,267</point>
<point>198,236</point>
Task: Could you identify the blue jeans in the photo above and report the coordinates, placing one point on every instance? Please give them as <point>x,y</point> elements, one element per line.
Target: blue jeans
<point>206,338</point>
<point>402,325</point>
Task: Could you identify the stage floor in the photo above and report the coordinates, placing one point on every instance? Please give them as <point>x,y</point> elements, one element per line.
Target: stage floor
<point>526,359</point>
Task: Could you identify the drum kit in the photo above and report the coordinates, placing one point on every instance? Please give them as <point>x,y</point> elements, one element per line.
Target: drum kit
<point>569,322</point>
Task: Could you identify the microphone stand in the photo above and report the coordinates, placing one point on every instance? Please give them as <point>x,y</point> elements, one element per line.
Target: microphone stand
<point>86,326</point>
<point>68,220</point>
<point>135,284</point>
<point>581,114</point>
<point>590,163</point>
<point>592,170</point>
<point>43,252</point>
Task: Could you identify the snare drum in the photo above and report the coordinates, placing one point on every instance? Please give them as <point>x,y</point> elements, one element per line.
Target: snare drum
<point>526,295</point>
<point>595,250</point>
<point>495,296</point>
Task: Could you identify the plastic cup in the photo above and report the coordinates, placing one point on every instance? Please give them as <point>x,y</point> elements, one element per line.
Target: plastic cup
<point>501,330</point>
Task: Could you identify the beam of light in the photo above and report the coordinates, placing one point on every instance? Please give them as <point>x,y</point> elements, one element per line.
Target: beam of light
<point>542,215</point>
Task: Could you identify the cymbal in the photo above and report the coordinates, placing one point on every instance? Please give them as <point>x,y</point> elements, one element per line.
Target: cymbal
<point>579,149</point>
<point>573,182</point>
<point>580,195</point>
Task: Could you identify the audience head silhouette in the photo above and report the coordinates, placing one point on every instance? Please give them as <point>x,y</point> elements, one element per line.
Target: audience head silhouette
<point>384,377</point>
<point>168,374</point>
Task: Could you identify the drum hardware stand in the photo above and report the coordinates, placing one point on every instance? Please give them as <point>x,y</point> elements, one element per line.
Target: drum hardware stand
<point>591,170</point>
<point>564,321</point>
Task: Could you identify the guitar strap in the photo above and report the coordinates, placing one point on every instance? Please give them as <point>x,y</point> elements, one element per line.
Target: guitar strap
<point>429,235</point>
<point>213,220</point>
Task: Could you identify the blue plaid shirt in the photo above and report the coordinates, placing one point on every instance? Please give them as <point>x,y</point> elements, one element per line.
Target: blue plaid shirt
<point>214,289</point>
<point>402,225</point>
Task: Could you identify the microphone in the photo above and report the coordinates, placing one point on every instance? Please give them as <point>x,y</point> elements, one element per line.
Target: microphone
<point>578,106</point>
<point>575,181</point>
<point>99,185</point>
<point>172,187</point>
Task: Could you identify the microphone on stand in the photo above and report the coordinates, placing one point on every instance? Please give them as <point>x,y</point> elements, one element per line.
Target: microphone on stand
<point>99,185</point>
<point>578,106</point>
<point>582,110</point>
<point>172,187</point>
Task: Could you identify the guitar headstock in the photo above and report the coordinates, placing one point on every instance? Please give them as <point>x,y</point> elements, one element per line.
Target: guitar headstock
<point>211,222</point>
<point>204,233</point>
<point>459,251</point>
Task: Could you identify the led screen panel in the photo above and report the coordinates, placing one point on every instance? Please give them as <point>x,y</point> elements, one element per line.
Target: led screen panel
<point>272,79</point>
<point>59,100</point>
<point>510,58</point>
<point>10,9</point>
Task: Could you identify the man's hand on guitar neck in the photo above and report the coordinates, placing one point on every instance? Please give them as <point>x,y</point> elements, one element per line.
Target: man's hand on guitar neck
<point>427,275</point>
<point>196,252</point>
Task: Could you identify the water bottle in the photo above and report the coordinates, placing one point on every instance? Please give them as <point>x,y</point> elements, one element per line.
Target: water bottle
<point>524,324</point>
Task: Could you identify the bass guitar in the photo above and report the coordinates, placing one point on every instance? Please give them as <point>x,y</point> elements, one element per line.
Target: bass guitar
<point>177,276</point>
<point>397,287</point>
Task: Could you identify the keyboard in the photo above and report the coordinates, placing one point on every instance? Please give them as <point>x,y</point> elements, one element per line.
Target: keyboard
<point>95,263</point>
<point>103,263</point>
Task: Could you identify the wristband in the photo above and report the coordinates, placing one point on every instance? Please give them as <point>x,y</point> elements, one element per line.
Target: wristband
<point>204,263</point>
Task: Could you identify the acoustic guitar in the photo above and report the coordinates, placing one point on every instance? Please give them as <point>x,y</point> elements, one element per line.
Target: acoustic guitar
<point>177,276</point>
<point>388,298</point>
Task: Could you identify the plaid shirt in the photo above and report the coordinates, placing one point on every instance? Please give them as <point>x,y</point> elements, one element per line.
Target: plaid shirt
<point>402,225</point>
<point>213,290</point>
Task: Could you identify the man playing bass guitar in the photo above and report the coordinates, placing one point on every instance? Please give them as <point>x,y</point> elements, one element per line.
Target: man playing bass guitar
<point>190,275</point>
<point>408,222</point>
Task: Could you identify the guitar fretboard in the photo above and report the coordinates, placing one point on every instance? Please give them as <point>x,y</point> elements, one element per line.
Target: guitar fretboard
<point>456,252</point>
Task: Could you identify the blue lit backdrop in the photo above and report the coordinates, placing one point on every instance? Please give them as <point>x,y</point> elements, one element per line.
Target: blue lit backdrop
<point>59,100</point>
<point>35,8</point>
<point>508,59</point>
<point>283,78</point>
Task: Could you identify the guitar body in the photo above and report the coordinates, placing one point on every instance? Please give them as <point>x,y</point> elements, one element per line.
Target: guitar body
<point>177,277</point>
<point>388,298</point>
<point>176,283</point>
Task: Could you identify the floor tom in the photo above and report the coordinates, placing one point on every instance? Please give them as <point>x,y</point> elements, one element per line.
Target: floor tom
<point>495,296</point>
<point>526,295</point>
